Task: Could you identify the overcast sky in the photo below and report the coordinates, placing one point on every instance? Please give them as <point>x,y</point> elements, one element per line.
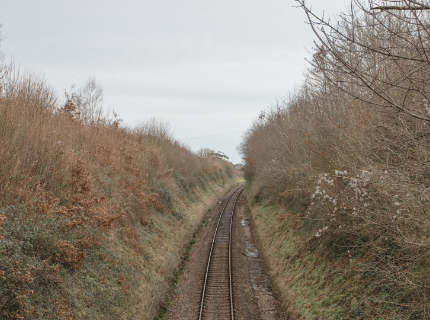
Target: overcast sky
<point>207,67</point>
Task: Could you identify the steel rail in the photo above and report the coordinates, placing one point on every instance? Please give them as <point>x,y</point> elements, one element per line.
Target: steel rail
<point>210,256</point>
<point>230,273</point>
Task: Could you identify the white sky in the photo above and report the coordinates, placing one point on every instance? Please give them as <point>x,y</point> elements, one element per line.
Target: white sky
<point>207,67</point>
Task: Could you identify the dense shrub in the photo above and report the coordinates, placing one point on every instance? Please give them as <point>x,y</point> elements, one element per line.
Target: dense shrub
<point>347,154</point>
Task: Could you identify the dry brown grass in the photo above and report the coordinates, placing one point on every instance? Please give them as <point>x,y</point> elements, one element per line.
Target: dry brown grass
<point>71,180</point>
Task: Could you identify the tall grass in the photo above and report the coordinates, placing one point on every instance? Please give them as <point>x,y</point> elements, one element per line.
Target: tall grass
<point>71,177</point>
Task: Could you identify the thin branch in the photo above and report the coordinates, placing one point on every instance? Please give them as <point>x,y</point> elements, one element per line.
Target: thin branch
<point>387,8</point>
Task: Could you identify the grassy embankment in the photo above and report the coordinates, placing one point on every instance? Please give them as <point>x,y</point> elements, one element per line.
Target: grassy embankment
<point>312,283</point>
<point>94,217</point>
<point>338,173</point>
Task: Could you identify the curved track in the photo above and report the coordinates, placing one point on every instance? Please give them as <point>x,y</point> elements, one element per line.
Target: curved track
<point>217,293</point>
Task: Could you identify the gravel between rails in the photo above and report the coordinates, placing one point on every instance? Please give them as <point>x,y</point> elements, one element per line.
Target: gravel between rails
<point>253,298</point>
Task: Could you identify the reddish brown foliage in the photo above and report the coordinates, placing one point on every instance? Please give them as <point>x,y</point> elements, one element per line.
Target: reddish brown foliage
<point>72,254</point>
<point>44,203</point>
<point>63,310</point>
<point>2,219</point>
<point>122,282</point>
<point>70,110</point>
<point>248,160</point>
<point>22,277</point>
<point>84,206</point>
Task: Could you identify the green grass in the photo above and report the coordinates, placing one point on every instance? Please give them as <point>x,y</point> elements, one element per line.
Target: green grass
<point>324,282</point>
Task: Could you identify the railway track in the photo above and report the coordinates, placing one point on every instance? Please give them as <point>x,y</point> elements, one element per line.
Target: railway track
<point>225,278</point>
<point>217,293</point>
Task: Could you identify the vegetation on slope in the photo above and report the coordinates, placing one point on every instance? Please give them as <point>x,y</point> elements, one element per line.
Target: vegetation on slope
<point>340,170</point>
<point>93,216</point>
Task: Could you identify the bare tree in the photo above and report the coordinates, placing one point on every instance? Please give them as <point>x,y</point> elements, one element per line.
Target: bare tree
<point>89,102</point>
<point>155,129</point>
<point>379,59</point>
